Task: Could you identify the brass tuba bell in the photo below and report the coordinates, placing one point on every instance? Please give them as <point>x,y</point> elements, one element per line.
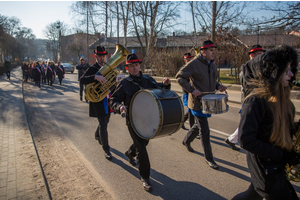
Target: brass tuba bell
<point>96,92</point>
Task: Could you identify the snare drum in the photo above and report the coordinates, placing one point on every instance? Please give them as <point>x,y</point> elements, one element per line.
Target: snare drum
<point>156,113</point>
<point>214,103</point>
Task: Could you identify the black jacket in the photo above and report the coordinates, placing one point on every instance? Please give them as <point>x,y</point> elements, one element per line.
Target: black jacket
<point>60,73</point>
<point>263,158</point>
<point>128,87</point>
<point>96,109</point>
<point>81,69</point>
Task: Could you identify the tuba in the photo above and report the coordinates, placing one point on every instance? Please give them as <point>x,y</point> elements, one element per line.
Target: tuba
<point>96,92</point>
<point>197,50</point>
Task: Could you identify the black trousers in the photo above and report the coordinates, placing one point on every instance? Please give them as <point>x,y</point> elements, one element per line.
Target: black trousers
<point>60,80</point>
<point>102,131</point>
<point>8,74</point>
<point>43,78</point>
<point>138,149</point>
<point>188,115</point>
<point>49,79</point>
<point>201,124</point>
<point>81,89</point>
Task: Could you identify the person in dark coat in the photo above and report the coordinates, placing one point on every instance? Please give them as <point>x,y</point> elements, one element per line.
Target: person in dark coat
<point>44,71</point>
<point>60,70</point>
<point>82,67</point>
<point>254,51</point>
<point>120,102</point>
<point>185,95</point>
<point>267,124</point>
<point>202,73</point>
<point>101,109</point>
<point>49,73</point>
<point>25,70</point>
<point>7,66</point>
<point>37,73</point>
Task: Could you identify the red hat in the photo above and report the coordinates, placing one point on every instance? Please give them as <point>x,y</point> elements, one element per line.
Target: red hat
<point>254,48</point>
<point>100,51</point>
<point>188,55</point>
<point>131,59</point>
<point>208,44</point>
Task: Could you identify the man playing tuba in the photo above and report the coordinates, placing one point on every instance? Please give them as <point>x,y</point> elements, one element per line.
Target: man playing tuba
<point>100,109</point>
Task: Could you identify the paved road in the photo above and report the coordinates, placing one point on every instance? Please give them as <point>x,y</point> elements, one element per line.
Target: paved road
<point>175,172</point>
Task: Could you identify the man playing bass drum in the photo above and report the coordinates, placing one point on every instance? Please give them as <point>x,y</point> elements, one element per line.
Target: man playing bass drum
<point>120,102</point>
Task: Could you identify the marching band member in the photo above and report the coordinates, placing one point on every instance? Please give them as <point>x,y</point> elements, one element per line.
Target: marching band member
<point>267,123</point>
<point>254,51</point>
<point>37,74</point>
<point>202,73</point>
<point>185,95</point>
<point>50,73</point>
<point>120,102</point>
<point>43,69</point>
<point>100,109</point>
<point>60,72</point>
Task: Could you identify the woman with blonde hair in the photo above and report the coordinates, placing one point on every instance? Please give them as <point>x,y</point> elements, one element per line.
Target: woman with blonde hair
<point>267,124</point>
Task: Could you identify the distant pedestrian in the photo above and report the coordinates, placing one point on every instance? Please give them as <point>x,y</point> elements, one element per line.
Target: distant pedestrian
<point>60,72</point>
<point>7,66</point>
<point>25,70</point>
<point>37,73</point>
<point>82,67</point>
<point>44,70</point>
<point>49,73</point>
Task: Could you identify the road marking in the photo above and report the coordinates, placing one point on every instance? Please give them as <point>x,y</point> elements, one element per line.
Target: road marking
<point>220,132</point>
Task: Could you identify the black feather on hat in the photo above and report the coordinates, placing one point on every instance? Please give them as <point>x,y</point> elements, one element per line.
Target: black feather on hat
<point>275,62</point>
<point>131,59</point>
<point>100,51</point>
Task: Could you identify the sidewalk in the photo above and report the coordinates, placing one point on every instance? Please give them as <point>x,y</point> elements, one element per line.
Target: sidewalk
<point>21,176</point>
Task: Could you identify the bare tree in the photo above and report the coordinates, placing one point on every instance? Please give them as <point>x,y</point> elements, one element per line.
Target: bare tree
<point>51,32</point>
<point>194,24</point>
<point>125,7</point>
<point>227,13</point>
<point>285,15</point>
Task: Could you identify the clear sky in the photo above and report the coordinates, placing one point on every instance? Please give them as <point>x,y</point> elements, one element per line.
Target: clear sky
<point>37,14</point>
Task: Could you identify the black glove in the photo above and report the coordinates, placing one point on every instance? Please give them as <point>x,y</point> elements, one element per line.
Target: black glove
<point>290,158</point>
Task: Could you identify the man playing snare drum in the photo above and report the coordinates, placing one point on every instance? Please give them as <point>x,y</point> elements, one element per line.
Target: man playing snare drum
<point>120,102</point>
<point>202,73</point>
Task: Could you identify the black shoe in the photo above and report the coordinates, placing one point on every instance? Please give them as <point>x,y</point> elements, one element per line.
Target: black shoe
<point>80,98</point>
<point>212,164</point>
<point>130,158</point>
<point>146,185</point>
<point>107,155</point>
<point>183,127</point>
<point>232,145</point>
<point>188,146</point>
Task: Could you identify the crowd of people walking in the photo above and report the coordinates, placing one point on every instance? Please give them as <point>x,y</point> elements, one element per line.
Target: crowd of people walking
<point>41,71</point>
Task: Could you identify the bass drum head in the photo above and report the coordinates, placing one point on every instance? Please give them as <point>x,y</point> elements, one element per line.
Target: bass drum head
<point>145,114</point>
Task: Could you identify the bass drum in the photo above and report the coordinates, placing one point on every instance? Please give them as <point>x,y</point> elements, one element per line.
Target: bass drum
<point>156,113</point>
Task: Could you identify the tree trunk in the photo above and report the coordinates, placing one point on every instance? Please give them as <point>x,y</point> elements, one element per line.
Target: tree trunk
<point>152,23</point>
<point>213,25</point>
<point>118,22</point>
<point>193,17</point>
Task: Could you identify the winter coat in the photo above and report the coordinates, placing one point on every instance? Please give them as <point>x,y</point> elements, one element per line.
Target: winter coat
<point>96,109</point>
<point>263,158</point>
<point>202,77</point>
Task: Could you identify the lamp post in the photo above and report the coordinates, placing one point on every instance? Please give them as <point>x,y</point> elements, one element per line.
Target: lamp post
<point>59,42</point>
<point>258,34</point>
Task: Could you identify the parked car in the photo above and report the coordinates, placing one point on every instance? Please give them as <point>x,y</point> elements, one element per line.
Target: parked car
<point>68,67</point>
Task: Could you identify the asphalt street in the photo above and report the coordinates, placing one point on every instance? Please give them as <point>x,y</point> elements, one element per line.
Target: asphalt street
<point>175,172</point>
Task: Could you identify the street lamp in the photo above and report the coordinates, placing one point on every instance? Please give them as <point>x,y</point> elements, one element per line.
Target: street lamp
<point>59,42</point>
